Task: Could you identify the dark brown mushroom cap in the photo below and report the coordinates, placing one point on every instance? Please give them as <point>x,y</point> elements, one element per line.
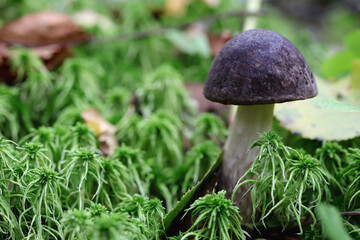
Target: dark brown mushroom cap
<point>259,67</point>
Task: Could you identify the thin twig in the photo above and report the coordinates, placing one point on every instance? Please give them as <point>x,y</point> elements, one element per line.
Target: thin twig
<point>350,213</point>
<point>162,30</point>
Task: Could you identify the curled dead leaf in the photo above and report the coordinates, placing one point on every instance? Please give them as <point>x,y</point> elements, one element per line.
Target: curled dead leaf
<point>175,7</point>
<point>52,55</point>
<point>5,74</point>
<point>104,130</point>
<point>42,28</point>
<point>4,53</point>
<point>218,41</point>
<point>204,105</point>
<point>48,34</point>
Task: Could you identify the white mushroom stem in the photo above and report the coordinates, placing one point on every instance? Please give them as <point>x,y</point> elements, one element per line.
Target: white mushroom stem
<point>249,121</point>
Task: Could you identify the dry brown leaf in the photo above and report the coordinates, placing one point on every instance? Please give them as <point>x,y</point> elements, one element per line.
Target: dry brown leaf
<point>218,41</point>
<point>42,28</point>
<point>52,55</point>
<point>108,143</point>
<point>204,105</point>
<point>47,52</point>
<point>48,34</point>
<point>5,74</point>
<point>175,7</point>
<point>96,122</point>
<point>4,54</point>
<point>104,130</point>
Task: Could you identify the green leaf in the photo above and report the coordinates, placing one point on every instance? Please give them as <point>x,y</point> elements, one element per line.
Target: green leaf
<point>331,222</point>
<point>352,41</point>
<point>338,65</point>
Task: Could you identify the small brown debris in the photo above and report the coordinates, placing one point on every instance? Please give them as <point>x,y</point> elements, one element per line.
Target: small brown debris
<point>104,130</point>
<point>204,105</point>
<point>175,7</point>
<point>218,41</point>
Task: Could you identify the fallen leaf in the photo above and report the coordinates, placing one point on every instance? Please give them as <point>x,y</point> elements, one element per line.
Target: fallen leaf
<point>204,105</point>
<point>4,53</point>
<point>175,7</point>
<point>48,34</point>
<point>317,122</point>
<point>108,143</point>
<point>53,55</point>
<point>96,122</point>
<point>42,28</point>
<point>104,130</point>
<point>217,41</point>
<point>5,74</point>
<point>346,89</point>
<point>332,115</point>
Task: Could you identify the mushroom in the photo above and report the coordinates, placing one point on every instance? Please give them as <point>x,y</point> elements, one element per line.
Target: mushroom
<point>255,70</point>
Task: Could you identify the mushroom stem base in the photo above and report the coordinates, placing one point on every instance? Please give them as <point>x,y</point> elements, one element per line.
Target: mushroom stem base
<point>249,121</point>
